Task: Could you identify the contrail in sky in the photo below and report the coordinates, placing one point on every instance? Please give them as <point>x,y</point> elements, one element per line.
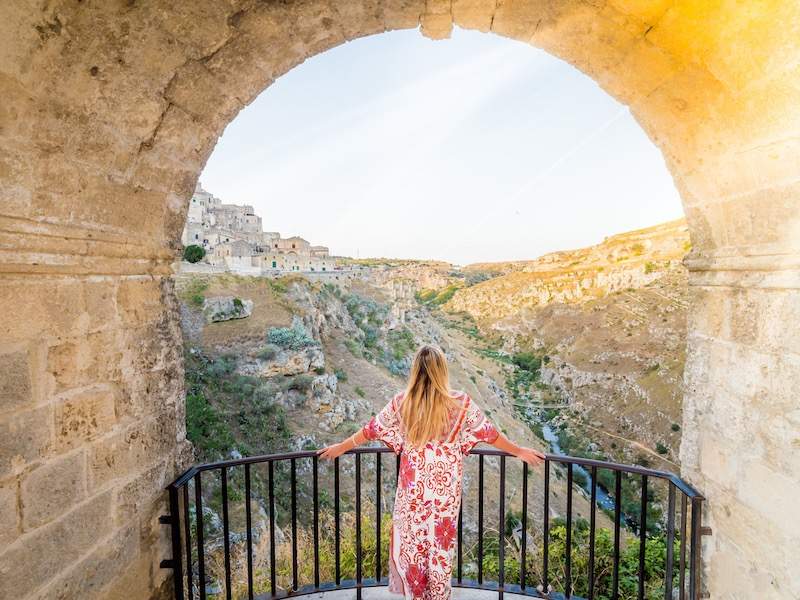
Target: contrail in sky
<point>531,183</point>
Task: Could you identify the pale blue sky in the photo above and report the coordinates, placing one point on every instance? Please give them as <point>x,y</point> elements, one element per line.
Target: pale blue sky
<point>477,148</point>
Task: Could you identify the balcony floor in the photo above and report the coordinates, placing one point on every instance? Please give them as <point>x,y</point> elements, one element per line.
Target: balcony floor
<point>382,593</point>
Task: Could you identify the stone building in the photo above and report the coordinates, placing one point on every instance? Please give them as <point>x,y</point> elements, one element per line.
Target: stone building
<point>234,240</point>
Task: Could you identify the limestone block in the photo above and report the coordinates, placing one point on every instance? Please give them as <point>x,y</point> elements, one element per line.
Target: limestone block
<point>402,14</point>
<point>52,488</point>
<point>737,47</point>
<point>196,91</point>
<point>58,310</point>
<point>134,496</point>
<point>15,382</point>
<point>114,560</point>
<point>774,498</point>
<point>139,300</point>
<point>80,362</point>
<point>436,26</point>
<point>201,26</point>
<point>24,437</point>
<point>358,19</point>
<point>51,548</point>
<point>594,43</point>
<point>474,14</point>
<point>181,141</point>
<point>642,69</point>
<point>313,23</point>
<point>129,450</point>
<point>680,116</point>
<point>9,513</point>
<point>649,11</point>
<point>83,416</point>
<point>744,172</point>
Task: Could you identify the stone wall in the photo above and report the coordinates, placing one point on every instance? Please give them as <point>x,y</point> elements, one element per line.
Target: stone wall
<point>102,138</point>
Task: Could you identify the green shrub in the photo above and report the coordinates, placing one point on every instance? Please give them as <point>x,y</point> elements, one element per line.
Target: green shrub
<point>238,305</point>
<point>291,338</point>
<point>193,253</point>
<point>675,427</point>
<point>360,392</point>
<point>528,361</point>
<point>354,347</point>
<point>193,293</point>
<point>341,375</point>
<point>661,448</point>
<point>301,383</point>
<point>649,267</point>
<point>278,286</point>
<point>268,352</point>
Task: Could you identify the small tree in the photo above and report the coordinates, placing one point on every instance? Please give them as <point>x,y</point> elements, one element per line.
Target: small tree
<point>193,253</point>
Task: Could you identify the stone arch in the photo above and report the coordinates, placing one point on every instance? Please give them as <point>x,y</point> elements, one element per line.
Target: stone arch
<point>109,113</point>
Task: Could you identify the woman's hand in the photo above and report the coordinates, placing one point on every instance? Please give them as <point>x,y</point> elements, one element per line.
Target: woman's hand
<point>533,457</point>
<point>334,451</point>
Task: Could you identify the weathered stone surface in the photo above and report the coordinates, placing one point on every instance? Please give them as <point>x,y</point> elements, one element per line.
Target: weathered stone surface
<point>15,385</point>
<point>24,567</point>
<point>51,489</point>
<point>81,417</point>
<point>9,512</point>
<point>24,437</point>
<point>225,308</point>
<point>289,362</point>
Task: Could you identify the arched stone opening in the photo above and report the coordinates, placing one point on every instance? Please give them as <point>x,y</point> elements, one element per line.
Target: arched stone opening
<point>110,111</point>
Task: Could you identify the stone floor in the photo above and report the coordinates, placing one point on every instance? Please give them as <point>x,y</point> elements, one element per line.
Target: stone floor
<point>382,593</point>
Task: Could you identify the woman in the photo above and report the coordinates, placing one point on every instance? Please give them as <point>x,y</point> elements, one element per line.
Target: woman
<point>432,429</point>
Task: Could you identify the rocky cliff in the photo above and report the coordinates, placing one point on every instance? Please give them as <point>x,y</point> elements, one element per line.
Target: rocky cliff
<point>628,260</point>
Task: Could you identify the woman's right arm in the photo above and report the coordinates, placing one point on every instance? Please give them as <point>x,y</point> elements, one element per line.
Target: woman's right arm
<point>336,450</point>
<point>533,457</point>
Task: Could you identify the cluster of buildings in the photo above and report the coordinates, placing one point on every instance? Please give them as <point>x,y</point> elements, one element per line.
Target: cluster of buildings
<point>234,240</point>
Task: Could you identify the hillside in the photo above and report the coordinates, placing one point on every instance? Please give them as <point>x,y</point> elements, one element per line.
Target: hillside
<point>628,260</point>
<point>607,325</point>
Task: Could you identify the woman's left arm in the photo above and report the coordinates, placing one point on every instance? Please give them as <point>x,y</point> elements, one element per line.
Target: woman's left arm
<point>336,450</point>
<point>529,455</point>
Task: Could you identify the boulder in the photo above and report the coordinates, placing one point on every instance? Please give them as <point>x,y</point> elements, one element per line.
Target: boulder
<point>225,308</point>
<point>294,362</point>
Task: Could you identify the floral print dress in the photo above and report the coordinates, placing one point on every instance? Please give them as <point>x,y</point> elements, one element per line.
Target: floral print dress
<point>428,498</point>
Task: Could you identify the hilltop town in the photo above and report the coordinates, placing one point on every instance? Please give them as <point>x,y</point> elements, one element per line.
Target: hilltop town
<point>234,240</point>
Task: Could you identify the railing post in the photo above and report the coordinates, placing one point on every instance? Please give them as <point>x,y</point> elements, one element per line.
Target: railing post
<point>226,543</point>
<point>502,529</point>
<point>695,566</point>
<point>546,529</point>
<point>670,569</point>
<point>175,530</point>
<point>358,526</point>
<point>201,558</point>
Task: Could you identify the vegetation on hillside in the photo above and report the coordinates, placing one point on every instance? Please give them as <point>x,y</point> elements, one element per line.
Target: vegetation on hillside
<point>193,253</point>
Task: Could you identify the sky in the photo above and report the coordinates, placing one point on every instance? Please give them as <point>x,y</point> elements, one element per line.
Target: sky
<point>478,148</point>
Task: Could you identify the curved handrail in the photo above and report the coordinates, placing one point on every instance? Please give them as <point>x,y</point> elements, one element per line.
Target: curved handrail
<point>679,483</point>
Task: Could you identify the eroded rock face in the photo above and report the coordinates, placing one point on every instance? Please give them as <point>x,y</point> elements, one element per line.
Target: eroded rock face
<point>225,308</point>
<point>293,362</point>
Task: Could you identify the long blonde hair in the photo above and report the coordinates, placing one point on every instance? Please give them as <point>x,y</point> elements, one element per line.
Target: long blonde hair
<point>425,409</point>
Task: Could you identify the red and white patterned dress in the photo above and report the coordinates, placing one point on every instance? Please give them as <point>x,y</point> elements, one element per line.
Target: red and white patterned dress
<point>428,498</point>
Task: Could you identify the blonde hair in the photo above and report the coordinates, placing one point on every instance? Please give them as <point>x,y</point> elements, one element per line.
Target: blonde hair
<point>425,409</point>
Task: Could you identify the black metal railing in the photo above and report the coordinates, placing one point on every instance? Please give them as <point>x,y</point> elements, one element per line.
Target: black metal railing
<point>225,566</point>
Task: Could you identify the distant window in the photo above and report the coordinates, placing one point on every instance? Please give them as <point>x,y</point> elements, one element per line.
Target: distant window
<point>276,245</point>
<point>274,264</point>
<point>323,268</point>
<point>197,236</point>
